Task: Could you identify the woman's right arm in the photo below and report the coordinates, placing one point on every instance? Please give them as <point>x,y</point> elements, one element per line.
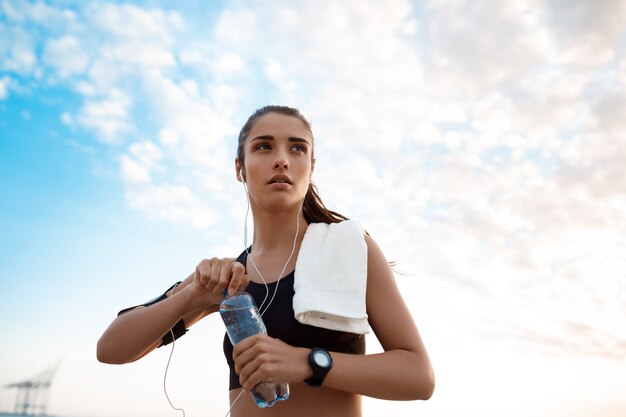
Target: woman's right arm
<point>135,333</point>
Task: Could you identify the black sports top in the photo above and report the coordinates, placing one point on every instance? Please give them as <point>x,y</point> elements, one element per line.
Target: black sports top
<point>281,323</point>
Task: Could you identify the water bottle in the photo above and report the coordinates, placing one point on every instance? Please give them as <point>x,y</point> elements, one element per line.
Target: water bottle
<point>242,319</point>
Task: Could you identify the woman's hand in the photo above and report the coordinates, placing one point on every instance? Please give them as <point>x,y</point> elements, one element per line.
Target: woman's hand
<point>213,276</point>
<point>262,358</point>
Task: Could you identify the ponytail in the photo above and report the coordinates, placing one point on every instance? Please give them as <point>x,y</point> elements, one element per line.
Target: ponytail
<point>315,211</point>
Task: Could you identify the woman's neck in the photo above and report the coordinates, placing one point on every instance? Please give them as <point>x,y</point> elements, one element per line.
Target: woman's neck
<point>274,232</point>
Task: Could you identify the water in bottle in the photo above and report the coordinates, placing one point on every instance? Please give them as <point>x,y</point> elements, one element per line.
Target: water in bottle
<point>242,319</point>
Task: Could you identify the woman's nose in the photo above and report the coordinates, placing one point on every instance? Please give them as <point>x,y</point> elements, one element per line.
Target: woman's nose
<point>281,163</point>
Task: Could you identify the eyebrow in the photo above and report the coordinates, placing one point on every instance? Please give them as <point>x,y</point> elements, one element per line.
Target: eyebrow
<point>270,137</point>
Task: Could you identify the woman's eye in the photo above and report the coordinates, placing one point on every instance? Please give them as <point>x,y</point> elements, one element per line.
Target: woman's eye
<point>263,147</point>
<point>298,148</point>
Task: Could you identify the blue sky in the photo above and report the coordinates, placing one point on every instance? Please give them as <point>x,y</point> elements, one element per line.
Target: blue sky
<point>479,142</point>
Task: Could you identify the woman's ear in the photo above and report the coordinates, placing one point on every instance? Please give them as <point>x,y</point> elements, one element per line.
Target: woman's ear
<point>241,177</point>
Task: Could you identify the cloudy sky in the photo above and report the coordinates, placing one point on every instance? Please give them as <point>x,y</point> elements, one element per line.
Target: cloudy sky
<point>481,143</point>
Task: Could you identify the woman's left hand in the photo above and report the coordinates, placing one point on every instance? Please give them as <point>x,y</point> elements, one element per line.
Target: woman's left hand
<point>262,358</point>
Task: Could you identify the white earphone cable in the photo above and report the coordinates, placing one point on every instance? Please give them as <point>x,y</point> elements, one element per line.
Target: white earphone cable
<point>168,367</point>
<point>293,249</point>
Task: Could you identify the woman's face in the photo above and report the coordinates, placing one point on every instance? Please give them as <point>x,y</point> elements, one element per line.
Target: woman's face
<point>277,161</point>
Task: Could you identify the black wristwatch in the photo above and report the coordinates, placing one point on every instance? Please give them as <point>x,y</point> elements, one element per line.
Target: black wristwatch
<point>321,362</point>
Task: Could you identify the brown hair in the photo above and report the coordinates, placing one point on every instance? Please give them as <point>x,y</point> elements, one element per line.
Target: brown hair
<point>313,208</point>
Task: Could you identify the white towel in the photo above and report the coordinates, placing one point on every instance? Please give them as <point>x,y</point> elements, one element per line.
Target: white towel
<point>331,277</point>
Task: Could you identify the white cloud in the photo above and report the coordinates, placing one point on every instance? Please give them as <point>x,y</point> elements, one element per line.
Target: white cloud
<point>133,172</point>
<point>587,32</point>
<point>128,22</point>
<point>359,74</point>
<point>237,27</point>
<point>142,158</point>
<point>39,12</point>
<point>109,116</point>
<point>175,203</point>
<point>102,76</point>
<point>487,161</point>
<point>65,55</point>
<point>609,112</point>
<point>4,87</point>
<point>17,50</point>
<point>137,53</point>
<point>197,126</point>
<point>492,182</point>
<point>10,11</point>
<point>227,65</point>
<point>67,119</point>
<point>464,60</point>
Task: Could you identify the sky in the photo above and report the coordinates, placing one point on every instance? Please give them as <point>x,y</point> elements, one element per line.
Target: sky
<point>481,144</point>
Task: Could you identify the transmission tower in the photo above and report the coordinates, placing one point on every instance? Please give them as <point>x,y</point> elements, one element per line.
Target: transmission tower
<point>31,398</point>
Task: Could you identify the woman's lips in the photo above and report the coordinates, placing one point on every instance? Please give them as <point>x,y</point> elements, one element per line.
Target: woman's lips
<point>279,185</point>
<point>280,179</point>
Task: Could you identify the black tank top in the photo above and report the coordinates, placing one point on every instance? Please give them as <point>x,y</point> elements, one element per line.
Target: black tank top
<point>281,323</point>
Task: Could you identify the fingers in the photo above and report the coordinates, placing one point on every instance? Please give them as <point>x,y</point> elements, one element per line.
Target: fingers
<point>254,361</point>
<point>220,274</point>
<point>262,358</point>
<point>239,280</point>
<point>217,274</point>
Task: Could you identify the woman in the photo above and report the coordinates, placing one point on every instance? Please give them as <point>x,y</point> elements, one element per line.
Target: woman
<point>275,162</point>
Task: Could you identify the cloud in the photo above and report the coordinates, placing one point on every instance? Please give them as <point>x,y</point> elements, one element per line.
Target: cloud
<point>20,31</point>
<point>109,116</point>
<point>128,22</point>
<point>482,135</point>
<point>17,50</point>
<point>488,162</point>
<point>464,60</point>
<point>65,55</point>
<point>121,57</point>
<point>174,203</point>
<point>5,82</point>
<point>37,12</point>
<point>141,159</point>
<point>609,112</point>
<point>588,33</point>
<point>238,27</point>
<point>227,65</point>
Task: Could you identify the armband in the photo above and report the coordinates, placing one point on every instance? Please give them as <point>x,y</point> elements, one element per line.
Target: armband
<point>151,302</point>
<point>178,329</point>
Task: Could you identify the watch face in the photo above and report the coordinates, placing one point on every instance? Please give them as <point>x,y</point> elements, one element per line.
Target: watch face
<point>321,359</point>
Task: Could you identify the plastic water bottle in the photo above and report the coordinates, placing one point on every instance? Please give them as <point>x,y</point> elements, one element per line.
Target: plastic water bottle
<point>242,319</point>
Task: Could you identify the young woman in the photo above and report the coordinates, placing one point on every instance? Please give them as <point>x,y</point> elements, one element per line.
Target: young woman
<point>275,161</point>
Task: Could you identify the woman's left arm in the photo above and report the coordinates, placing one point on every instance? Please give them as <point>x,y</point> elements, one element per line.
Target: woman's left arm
<point>403,371</point>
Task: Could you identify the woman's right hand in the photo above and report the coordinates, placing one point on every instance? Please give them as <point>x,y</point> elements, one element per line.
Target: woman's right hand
<point>213,276</point>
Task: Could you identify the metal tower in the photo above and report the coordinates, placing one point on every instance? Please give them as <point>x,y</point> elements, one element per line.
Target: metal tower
<point>31,398</point>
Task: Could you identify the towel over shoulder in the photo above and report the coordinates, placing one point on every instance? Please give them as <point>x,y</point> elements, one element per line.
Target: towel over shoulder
<point>331,277</point>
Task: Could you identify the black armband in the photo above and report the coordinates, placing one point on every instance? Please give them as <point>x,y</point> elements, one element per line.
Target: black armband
<point>151,302</point>
<point>178,329</point>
